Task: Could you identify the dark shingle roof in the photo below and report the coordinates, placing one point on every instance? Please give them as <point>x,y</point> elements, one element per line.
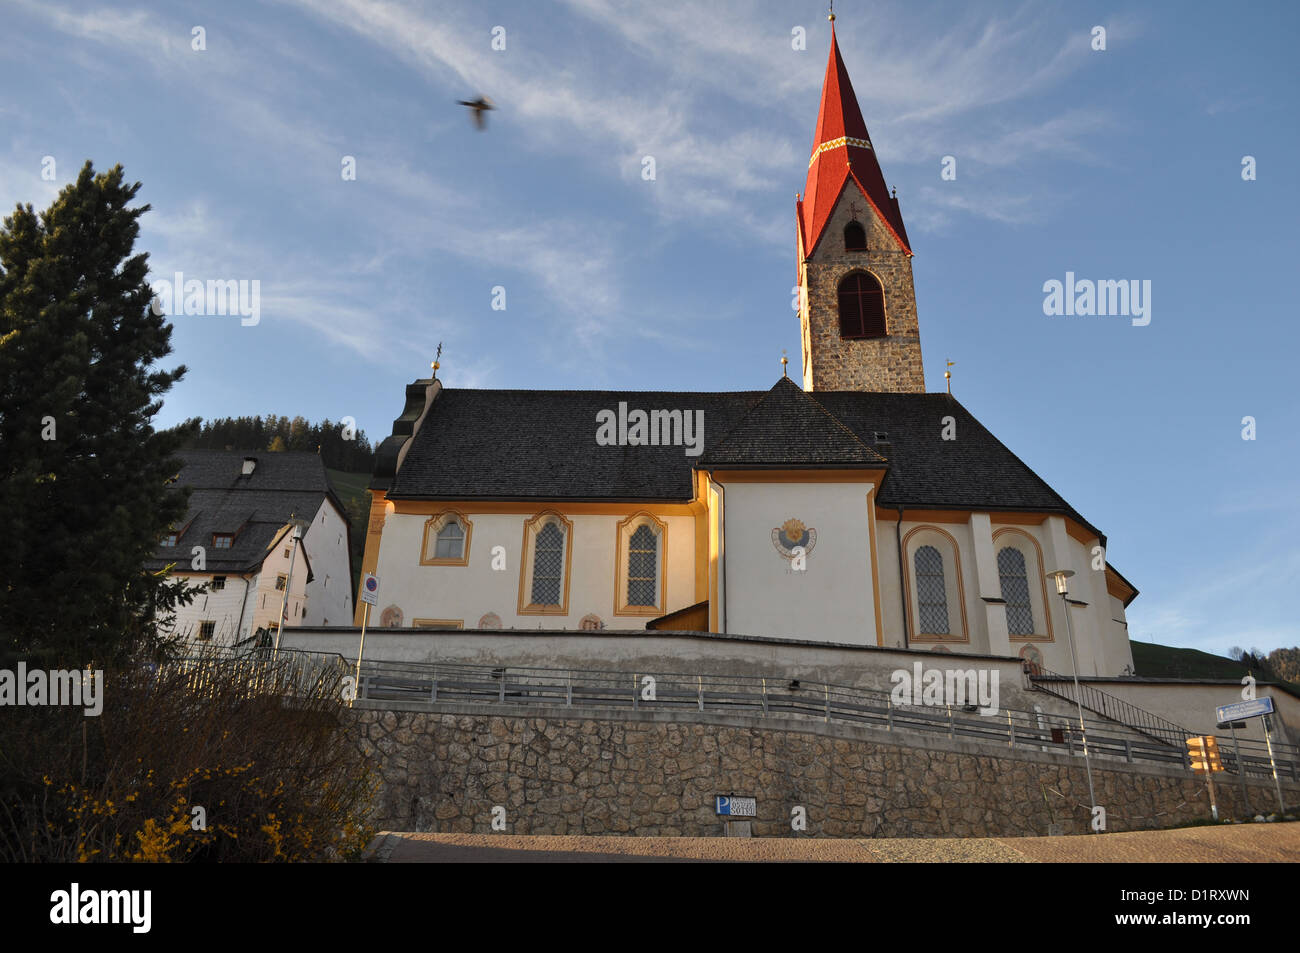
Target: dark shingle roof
<point>498,444</point>
<point>536,444</point>
<point>255,508</point>
<point>789,428</point>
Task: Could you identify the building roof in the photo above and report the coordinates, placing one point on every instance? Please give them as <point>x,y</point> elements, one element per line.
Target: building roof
<point>842,153</point>
<point>541,445</point>
<point>788,427</point>
<point>254,508</point>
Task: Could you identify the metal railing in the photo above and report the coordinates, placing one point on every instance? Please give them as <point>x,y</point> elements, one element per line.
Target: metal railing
<point>1108,706</point>
<point>460,683</point>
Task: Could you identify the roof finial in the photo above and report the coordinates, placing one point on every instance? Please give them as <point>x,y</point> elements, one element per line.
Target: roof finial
<point>832,12</point>
<point>947,376</point>
<point>784,362</point>
<point>435,365</point>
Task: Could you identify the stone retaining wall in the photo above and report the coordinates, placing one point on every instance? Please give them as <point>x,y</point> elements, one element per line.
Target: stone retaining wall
<point>656,773</point>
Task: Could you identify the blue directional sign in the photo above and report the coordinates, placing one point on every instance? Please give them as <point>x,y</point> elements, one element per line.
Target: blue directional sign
<point>1239,710</point>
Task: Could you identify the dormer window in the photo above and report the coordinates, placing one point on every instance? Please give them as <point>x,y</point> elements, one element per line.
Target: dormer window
<point>855,236</point>
<point>169,540</point>
<point>223,540</point>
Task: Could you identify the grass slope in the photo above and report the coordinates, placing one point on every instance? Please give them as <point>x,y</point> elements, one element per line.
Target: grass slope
<point>351,487</point>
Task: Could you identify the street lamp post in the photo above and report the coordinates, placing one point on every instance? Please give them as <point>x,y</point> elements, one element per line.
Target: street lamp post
<point>1059,577</point>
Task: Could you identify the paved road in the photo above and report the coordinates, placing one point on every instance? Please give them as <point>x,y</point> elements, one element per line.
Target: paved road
<point>1251,843</point>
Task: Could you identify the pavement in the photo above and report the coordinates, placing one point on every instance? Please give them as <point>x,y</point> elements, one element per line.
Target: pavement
<point>1230,843</point>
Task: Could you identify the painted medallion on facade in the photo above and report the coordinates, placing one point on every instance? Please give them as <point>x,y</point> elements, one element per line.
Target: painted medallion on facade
<point>793,533</point>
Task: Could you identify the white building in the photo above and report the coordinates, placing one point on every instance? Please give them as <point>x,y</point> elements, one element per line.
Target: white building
<point>265,537</point>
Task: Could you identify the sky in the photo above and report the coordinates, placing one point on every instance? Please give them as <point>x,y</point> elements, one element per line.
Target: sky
<point>1122,163</point>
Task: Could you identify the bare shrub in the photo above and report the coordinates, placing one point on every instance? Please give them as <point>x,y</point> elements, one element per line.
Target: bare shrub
<point>257,745</point>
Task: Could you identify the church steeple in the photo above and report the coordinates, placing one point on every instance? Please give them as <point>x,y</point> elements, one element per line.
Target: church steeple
<point>857,304</point>
<point>842,151</point>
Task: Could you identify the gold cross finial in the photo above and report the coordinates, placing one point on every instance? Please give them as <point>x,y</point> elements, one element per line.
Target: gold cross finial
<point>947,376</point>
<point>435,365</point>
<point>784,362</point>
<point>832,12</point>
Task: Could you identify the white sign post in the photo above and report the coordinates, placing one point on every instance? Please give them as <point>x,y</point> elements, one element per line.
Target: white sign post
<point>1254,709</point>
<point>369,596</point>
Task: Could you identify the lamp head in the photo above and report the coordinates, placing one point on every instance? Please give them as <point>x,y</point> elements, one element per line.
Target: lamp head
<point>1059,577</point>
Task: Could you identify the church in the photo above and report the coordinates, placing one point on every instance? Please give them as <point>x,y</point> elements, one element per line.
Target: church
<point>844,504</point>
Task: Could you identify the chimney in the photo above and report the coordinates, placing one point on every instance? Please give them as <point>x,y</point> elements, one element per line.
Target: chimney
<point>250,464</point>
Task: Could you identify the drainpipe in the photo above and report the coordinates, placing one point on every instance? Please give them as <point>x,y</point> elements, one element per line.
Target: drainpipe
<point>902,587</point>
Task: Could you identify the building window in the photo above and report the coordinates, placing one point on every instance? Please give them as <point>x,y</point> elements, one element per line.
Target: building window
<point>1015,590</point>
<point>931,594</point>
<point>862,306</point>
<point>281,581</point>
<point>223,540</point>
<point>548,565</point>
<point>218,583</point>
<point>643,568</point>
<point>544,570</point>
<point>206,631</point>
<point>640,572</point>
<point>446,540</point>
<point>451,541</point>
<point>855,237</point>
<point>936,601</point>
<point>169,540</point>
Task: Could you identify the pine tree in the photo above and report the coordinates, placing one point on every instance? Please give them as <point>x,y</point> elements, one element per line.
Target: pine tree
<point>84,493</point>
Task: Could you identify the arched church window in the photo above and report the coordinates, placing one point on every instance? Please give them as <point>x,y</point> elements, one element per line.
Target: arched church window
<point>640,580</point>
<point>855,237</point>
<point>548,565</point>
<point>544,568</point>
<point>446,539</point>
<point>932,595</point>
<point>1015,590</point>
<point>451,541</point>
<point>862,306</point>
<point>643,568</point>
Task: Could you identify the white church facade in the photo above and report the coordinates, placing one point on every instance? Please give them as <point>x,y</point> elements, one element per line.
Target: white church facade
<point>850,508</point>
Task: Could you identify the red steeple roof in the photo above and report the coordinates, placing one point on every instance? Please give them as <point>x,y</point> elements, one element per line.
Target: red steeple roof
<point>842,152</point>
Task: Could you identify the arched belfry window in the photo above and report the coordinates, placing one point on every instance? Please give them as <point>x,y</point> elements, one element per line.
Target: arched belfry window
<point>855,236</point>
<point>932,594</point>
<point>862,306</point>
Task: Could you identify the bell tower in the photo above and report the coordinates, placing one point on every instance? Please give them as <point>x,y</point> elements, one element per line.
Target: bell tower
<point>857,305</point>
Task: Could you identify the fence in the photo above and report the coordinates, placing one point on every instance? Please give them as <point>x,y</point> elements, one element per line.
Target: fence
<point>1108,706</point>
<point>435,683</point>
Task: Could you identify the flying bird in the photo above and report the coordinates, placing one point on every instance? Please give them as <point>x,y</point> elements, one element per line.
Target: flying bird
<point>478,110</point>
